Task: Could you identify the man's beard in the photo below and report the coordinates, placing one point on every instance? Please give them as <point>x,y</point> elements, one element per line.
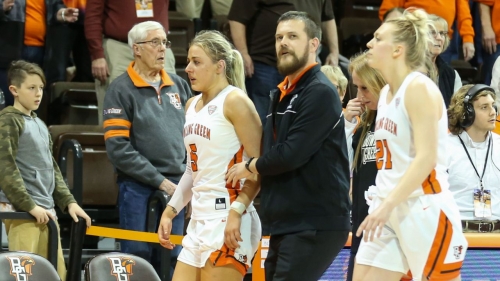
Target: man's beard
<point>287,68</point>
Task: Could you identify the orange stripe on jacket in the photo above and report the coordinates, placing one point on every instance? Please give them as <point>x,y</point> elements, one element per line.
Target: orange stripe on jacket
<point>117,123</point>
<point>116,133</point>
<point>225,256</point>
<point>139,82</point>
<point>431,184</point>
<point>283,85</point>
<point>435,268</point>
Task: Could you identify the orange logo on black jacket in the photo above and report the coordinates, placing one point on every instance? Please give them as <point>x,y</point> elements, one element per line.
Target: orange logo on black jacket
<point>21,267</point>
<point>121,268</point>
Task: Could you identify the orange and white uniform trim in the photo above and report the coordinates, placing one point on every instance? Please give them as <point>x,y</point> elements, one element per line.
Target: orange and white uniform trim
<point>424,233</point>
<point>212,148</point>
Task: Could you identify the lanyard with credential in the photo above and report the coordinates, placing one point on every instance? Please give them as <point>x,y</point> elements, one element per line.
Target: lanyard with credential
<point>472,163</point>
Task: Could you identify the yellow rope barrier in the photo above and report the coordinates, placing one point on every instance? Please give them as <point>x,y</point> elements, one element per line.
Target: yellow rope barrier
<point>486,240</point>
<point>130,235</point>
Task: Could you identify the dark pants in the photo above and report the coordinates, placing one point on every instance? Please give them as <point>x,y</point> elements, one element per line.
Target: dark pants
<point>81,54</point>
<point>132,203</point>
<point>30,54</point>
<point>302,256</point>
<point>352,258</point>
<point>265,78</point>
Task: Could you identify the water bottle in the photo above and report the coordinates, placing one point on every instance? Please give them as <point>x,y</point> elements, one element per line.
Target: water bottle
<point>2,100</point>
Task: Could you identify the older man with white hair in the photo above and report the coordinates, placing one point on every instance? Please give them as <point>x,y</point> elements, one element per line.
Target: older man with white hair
<point>143,122</point>
<point>106,26</point>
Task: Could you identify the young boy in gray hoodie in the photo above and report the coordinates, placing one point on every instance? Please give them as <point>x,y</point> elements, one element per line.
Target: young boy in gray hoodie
<point>30,179</point>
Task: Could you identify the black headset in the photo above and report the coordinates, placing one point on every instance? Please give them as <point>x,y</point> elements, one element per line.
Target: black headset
<point>469,114</point>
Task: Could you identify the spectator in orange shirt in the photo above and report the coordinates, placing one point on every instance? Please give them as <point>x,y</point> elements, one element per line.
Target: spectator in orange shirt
<point>449,10</point>
<point>489,11</point>
<point>28,33</point>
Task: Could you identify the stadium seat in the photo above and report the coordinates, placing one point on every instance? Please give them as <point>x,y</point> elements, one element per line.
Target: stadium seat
<point>98,181</point>
<point>119,266</point>
<point>468,73</point>
<point>26,266</point>
<point>73,103</point>
<point>362,8</point>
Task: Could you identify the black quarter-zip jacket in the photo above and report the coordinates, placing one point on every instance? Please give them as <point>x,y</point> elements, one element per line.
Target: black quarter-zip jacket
<point>304,165</point>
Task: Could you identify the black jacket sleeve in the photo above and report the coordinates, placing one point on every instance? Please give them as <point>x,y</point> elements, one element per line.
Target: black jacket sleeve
<point>316,116</point>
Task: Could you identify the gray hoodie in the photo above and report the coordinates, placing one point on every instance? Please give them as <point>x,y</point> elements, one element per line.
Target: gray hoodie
<point>29,174</point>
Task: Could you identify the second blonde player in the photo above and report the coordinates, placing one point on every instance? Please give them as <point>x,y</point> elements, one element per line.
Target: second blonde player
<point>413,222</point>
<point>221,124</point>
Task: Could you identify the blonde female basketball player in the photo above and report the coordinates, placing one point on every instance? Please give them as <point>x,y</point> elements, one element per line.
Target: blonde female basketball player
<point>413,222</point>
<point>224,230</point>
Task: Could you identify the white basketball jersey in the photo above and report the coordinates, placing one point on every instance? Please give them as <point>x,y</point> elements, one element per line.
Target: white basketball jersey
<point>212,148</point>
<point>395,145</point>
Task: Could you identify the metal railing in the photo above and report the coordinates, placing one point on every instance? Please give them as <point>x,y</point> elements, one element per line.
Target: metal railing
<point>53,232</point>
<point>76,149</point>
<point>156,204</point>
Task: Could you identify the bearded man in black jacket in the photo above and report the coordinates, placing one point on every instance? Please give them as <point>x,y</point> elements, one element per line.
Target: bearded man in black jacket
<point>304,166</point>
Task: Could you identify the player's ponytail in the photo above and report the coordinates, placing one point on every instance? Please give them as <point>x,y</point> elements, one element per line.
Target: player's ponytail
<point>412,29</point>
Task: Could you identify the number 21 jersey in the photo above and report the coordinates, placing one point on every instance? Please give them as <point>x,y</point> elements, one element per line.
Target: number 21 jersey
<point>395,145</point>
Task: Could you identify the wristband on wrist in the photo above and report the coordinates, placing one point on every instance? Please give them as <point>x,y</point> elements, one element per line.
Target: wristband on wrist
<point>238,207</point>
<point>247,164</point>
<point>62,14</point>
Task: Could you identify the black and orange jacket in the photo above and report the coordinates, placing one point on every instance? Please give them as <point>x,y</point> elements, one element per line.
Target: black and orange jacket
<point>143,128</point>
<point>304,164</point>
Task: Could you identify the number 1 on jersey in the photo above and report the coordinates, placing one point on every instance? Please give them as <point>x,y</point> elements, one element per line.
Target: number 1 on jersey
<point>194,157</point>
<point>384,160</point>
